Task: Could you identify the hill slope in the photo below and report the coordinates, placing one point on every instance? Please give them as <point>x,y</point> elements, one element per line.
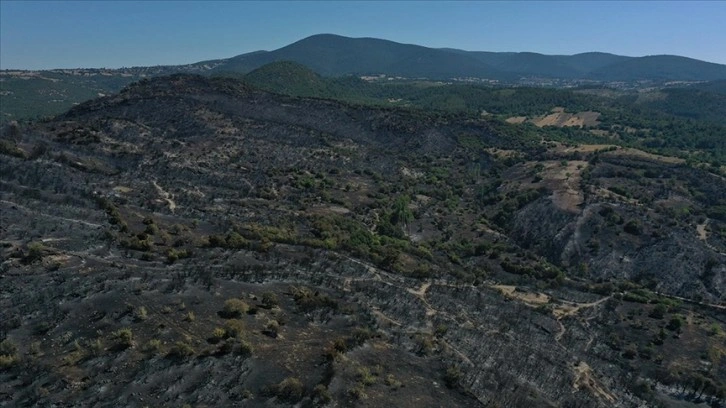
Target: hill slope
<point>194,240</point>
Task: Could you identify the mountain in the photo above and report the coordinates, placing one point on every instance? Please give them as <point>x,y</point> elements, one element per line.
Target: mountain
<point>333,55</point>
<point>661,68</point>
<point>195,240</point>
<point>554,66</point>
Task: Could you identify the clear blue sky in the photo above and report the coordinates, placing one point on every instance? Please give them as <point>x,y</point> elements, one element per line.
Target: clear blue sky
<point>57,34</point>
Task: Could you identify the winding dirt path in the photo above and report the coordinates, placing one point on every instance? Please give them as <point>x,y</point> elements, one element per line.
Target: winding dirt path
<point>701,229</point>
<point>570,309</point>
<point>703,236</point>
<point>165,195</point>
<point>420,293</point>
<point>584,378</point>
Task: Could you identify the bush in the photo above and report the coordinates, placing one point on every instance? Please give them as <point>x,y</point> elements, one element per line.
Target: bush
<point>675,324</point>
<point>181,350</point>
<point>124,338</point>
<point>218,334</point>
<point>271,328</point>
<point>141,314</point>
<point>290,389</point>
<point>95,347</point>
<point>269,300</point>
<point>234,308</point>
<point>365,377</point>
<point>244,348</point>
<point>35,252</point>
<point>633,227</point>
<point>235,241</point>
<point>154,345</point>
<point>321,395</point>
<point>360,335</point>
<point>357,392</point>
<point>630,351</point>
<point>392,382</point>
<point>307,300</point>
<point>452,376</point>
<point>658,312</point>
<point>8,354</point>
<point>8,348</point>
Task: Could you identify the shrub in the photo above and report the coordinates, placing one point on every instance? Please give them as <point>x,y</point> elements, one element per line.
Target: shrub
<point>658,312</point>
<point>35,252</point>
<point>307,300</point>
<point>321,395</point>
<point>357,392</point>
<point>141,314</point>
<point>181,350</point>
<point>124,338</point>
<point>154,345</point>
<point>234,308</point>
<point>270,300</point>
<point>365,377</point>
<point>633,227</point>
<point>424,344</point>
<point>360,335</point>
<point>452,376</point>
<point>234,328</point>
<point>336,347</point>
<point>95,347</point>
<point>8,348</point>
<point>8,354</point>
<point>392,382</point>
<point>8,361</point>
<point>244,348</point>
<point>630,351</point>
<point>271,328</point>
<point>290,389</point>
<point>235,241</point>
<point>675,324</point>
<point>218,334</point>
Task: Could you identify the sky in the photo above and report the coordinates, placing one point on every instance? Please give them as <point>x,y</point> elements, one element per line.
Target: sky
<point>96,34</point>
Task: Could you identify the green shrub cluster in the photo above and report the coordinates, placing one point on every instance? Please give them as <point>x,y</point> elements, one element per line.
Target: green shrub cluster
<point>234,308</point>
<point>308,300</point>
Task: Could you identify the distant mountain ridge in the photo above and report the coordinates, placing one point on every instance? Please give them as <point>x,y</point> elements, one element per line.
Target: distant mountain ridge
<point>333,55</point>
<point>33,94</point>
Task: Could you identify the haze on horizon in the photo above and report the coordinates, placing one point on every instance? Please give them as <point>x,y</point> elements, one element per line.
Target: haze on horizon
<point>47,35</point>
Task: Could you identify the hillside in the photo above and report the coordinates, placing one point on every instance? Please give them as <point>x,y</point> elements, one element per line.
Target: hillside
<point>686,122</point>
<point>199,241</point>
